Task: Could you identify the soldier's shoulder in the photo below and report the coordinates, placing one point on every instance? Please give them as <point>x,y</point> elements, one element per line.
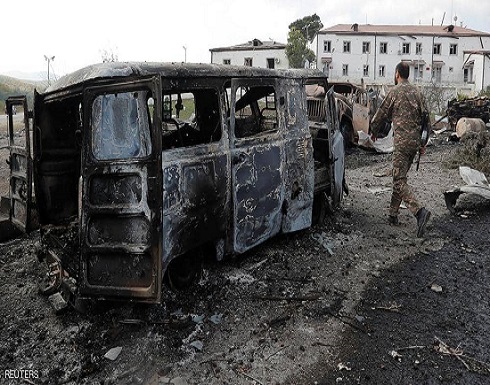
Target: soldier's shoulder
<point>409,88</point>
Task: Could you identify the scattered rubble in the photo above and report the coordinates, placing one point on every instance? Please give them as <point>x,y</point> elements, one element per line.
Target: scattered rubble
<point>468,108</point>
<point>476,183</point>
<point>473,151</point>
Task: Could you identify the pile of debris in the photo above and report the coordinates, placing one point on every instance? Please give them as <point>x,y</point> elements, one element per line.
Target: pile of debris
<point>474,152</point>
<point>470,108</point>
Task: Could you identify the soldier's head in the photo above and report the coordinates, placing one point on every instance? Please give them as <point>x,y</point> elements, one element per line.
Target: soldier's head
<point>402,71</point>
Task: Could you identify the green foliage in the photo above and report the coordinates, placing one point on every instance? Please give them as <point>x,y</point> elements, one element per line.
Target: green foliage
<point>460,96</point>
<point>301,32</point>
<point>485,93</point>
<point>436,97</point>
<point>297,51</point>
<point>307,25</point>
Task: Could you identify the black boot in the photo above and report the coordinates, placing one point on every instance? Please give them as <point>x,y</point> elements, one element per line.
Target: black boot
<point>423,216</point>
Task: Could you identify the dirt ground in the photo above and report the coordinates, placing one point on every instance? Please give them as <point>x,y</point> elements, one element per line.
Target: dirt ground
<point>350,301</point>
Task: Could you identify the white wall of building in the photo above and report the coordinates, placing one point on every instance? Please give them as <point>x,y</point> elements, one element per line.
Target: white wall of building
<point>481,70</point>
<point>259,57</point>
<point>451,64</point>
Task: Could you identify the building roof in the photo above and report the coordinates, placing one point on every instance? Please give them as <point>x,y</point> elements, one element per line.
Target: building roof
<point>254,44</point>
<point>430,30</point>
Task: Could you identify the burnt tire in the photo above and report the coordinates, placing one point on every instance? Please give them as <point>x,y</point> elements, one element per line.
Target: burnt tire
<point>184,271</point>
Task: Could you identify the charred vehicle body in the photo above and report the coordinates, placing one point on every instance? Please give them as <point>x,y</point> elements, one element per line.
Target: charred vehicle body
<point>357,107</point>
<point>140,167</point>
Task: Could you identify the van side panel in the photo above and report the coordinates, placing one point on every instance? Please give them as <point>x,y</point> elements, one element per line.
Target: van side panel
<point>257,161</point>
<point>195,199</point>
<point>299,169</point>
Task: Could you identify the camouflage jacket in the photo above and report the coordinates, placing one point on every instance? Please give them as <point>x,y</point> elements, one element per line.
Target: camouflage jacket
<point>403,106</point>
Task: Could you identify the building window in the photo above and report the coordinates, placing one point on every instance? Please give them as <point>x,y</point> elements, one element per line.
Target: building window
<point>347,46</point>
<point>418,72</point>
<point>247,62</point>
<point>345,70</point>
<point>271,63</point>
<point>437,49</point>
<point>366,47</point>
<point>382,71</point>
<point>418,48</point>
<point>468,75</point>
<point>405,48</point>
<point>383,47</point>
<point>453,49</point>
<point>227,61</point>
<point>437,74</point>
<point>326,69</point>
<point>365,70</point>
<point>327,46</point>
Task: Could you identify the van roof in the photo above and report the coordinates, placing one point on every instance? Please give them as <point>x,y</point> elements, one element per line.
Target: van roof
<point>138,69</point>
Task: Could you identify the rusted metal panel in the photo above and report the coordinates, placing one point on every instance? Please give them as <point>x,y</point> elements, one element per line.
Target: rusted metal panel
<point>360,117</point>
<point>357,107</point>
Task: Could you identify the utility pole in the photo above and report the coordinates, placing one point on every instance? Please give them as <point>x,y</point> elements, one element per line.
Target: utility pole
<point>307,43</point>
<point>185,53</point>
<point>49,60</point>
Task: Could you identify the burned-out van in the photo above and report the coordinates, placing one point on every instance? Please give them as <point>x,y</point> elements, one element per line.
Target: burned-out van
<point>139,169</point>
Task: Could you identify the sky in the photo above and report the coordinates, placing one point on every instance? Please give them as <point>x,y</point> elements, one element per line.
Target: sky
<point>77,33</point>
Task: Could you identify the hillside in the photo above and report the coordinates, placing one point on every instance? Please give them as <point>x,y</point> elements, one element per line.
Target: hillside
<point>11,86</point>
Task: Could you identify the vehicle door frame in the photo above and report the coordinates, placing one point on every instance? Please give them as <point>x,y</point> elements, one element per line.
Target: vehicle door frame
<point>186,227</point>
<point>148,169</point>
<point>20,164</point>
<point>245,152</point>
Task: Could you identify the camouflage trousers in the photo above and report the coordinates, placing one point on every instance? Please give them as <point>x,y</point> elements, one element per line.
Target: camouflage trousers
<point>403,157</point>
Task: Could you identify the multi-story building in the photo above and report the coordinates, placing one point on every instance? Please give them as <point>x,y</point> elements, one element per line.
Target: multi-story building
<point>448,55</point>
<point>255,53</point>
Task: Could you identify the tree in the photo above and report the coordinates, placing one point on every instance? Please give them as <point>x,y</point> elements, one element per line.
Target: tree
<point>308,25</point>
<point>297,50</point>
<point>301,32</point>
<point>109,55</point>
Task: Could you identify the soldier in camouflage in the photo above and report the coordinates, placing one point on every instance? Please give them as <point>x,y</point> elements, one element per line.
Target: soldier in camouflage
<point>403,106</point>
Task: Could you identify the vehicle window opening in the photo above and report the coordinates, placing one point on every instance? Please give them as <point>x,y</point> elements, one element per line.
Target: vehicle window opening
<point>315,102</point>
<point>121,125</point>
<point>255,111</point>
<point>190,117</point>
<point>18,138</point>
<point>321,120</point>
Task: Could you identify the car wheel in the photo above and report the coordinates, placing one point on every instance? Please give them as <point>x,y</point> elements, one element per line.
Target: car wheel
<point>184,271</point>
